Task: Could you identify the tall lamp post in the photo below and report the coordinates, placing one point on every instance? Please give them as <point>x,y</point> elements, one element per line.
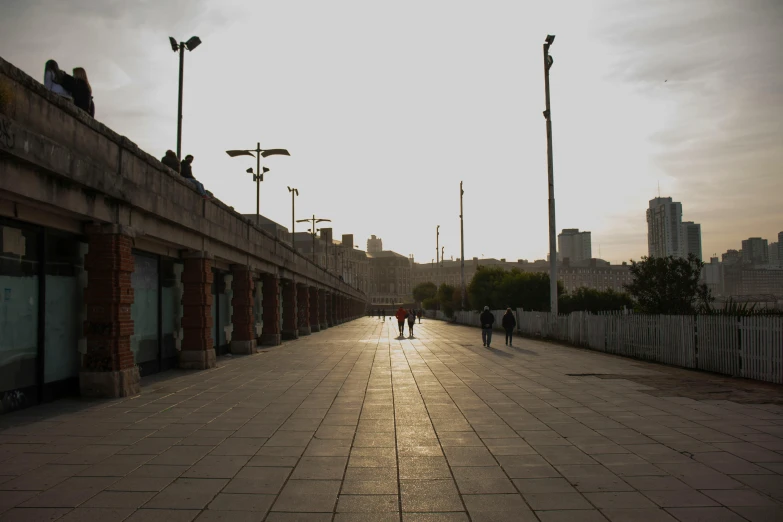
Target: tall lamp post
<point>180,47</point>
<point>437,252</point>
<point>548,61</point>
<point>313,230</point>
<point>294,192</point>
<point>258,177</point>
<point>462,248</point>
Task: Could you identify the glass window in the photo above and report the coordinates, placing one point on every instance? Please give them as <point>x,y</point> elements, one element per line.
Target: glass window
<point>171,310</point>
<point>65,283</point>
<point>225,309</point>
<point>19,270</point>
<point>144,311</point>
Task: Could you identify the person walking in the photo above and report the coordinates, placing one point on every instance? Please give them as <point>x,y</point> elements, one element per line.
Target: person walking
<point>401,315</point>
<point>419,313</point>
<point>411,321</point>
<point>487,320</point>
<point>509,322</point>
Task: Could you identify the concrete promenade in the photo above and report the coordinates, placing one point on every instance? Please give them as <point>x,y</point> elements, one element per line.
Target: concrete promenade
<point>357,425</point>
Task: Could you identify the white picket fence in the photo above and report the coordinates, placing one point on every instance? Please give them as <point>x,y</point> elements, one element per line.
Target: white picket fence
<point>749,347</point>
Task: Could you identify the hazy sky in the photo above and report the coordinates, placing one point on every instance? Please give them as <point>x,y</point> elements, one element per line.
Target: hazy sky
<point>386,106</point>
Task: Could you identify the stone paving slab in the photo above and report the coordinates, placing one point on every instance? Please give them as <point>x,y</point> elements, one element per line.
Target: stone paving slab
<point>356,424</point>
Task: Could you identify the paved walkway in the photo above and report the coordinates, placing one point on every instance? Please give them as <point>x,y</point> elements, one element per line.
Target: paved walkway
<point>355,425</point>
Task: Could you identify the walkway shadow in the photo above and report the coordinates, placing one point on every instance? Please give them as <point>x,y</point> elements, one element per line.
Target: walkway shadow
<point>522,350</point>
<point>498,352</point>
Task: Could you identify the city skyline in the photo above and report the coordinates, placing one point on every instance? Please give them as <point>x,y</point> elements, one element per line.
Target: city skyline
<point>385,113</point>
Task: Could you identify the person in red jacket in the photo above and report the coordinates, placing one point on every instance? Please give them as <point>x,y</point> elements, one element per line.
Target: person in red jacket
<point>401,315</point>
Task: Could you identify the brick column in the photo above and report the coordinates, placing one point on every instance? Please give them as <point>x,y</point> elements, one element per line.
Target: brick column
<point>339,309</point>
<point>322,296</point>
<point>270,286</point>
<point>243,336</point>
<point>315,305</point>
<point>329,309</point>
<point>290,330</point>
<point>108,367</point>
<point>197,351</point>
<point>303,305</point>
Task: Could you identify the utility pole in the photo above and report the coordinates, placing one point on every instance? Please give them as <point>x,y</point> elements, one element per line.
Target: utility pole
<point>294,192</point>
<point>313,230</point>
<point>548,61</point>
<point>462,248</point>
<point>437,252</point>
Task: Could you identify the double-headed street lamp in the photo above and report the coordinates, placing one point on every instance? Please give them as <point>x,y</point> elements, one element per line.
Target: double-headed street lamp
<point>258,176</point>
<point>548,61</point>
<point>191,44</point>
<point>313,230</point>
<point>294,192</point>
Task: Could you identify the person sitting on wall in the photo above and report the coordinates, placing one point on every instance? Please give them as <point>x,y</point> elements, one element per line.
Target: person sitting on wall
<point>51,73</point>
<point>171,161</point>
<point>79,87</point>
<point>186,171</point>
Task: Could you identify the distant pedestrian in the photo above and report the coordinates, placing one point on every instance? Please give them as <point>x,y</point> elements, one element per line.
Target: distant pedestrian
<point>171,161</point>
<point>401,315</point>
<point>186,171</point>
<point>79,87</point>
<point>51,73</point>
<point>419,314</point>
<point>411,321</point>
<point>487,320</point>
<point>509,322</point>
<point>383,311</point>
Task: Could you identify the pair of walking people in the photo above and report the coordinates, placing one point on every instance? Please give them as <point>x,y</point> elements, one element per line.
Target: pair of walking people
<point>488,320</point>
<point>401,316</point>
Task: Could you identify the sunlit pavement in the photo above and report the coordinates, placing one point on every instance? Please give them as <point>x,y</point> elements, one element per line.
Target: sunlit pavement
<point>354,424</point>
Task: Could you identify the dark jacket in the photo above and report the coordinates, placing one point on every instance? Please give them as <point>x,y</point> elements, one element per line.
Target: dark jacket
<point>82,95</point>
<point>487,319</point>
<point>509,321</point>
<point>185,170</point>
<point>171,162</point>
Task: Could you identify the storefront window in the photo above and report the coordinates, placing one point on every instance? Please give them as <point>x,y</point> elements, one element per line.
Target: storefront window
<point>144,312</point>
<point>171,311</point>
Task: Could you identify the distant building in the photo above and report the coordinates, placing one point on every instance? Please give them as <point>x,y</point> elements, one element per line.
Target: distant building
<point>374,244</point>
<point>390,279</point>
<point>731,257</point>
<point>664,227</point>
<point>750,280</point>
<point>574,245</point>
<point>774,255</point>
<point>690,239</point>
<point>712,276</point>
<point>755,251</point>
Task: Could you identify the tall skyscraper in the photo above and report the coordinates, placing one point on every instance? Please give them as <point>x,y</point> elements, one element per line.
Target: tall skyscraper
<point>374,244</point>
<point>664,228</point>
<point>755,250</point>
<point>774,255</point>
<point>690,239</point>
<point>574,245</point>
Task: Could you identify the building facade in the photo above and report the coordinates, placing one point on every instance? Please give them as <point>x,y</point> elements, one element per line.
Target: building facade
<point>374,244</point>
<point>574,245</point>
<point>755,251</point>
<point>664,227</point>
<point>690,239</point>
<point>390,282</point>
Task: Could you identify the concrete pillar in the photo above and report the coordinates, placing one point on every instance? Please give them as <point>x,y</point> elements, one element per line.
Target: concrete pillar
<point>330,309</point>
<point>108,367</point>
<point>315,305</point>
<point>270,286</point>
<point>197,351</point>
<point>290,323</point>
<point>243,336</point>
<point>322,307</point>
<point>303,305</point>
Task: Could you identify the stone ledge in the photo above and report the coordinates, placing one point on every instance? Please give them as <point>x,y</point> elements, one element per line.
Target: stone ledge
<point>122,383</point>
<point>197,359</point>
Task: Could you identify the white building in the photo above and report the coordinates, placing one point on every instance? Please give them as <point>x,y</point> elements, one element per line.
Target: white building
<point>574,245</point>
<point>690,239</point>
<point>664,228</point>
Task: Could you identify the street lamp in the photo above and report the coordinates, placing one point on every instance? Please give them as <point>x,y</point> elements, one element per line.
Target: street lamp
<point>313,230</point>
<point>548,61</point>
<point>258,177</point>
<point>437,252</point>
<point>191,44</point>
<point>294,192</point>
<point>462,248</point>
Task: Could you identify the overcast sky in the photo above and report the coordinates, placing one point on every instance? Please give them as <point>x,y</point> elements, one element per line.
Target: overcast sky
<point>386,106</point>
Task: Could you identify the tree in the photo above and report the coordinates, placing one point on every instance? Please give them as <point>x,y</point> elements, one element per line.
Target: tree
<point>424,291</point>
<point>446,299</point>
<point>592,300</point>
<point>484,288</point>
<point>496,288</point>
<point>669,285</point>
